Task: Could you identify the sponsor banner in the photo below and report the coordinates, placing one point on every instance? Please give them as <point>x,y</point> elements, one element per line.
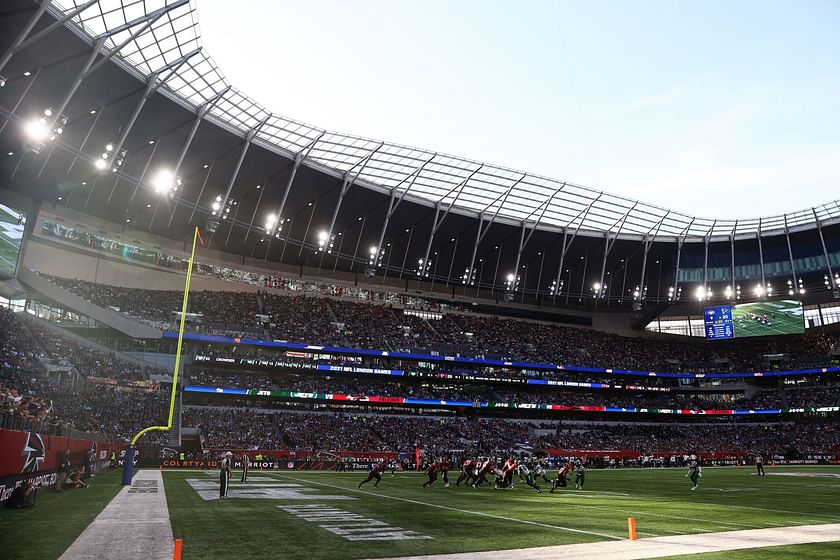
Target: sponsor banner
<point>339,350</point>
<point>468,376</point>
<point>491,404</point>
<point>32,456</point>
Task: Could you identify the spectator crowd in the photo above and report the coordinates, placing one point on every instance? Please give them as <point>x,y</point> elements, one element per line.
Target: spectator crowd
<point>329,320</point>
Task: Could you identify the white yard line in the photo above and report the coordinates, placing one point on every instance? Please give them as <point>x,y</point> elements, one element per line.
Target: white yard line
<point>659,547</point>
<point>478,513</point>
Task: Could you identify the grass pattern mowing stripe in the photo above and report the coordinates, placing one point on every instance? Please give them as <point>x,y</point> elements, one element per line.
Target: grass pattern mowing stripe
<point>478,513</point>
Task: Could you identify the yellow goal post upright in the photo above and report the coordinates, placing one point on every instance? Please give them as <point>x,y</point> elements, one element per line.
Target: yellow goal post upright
<point>131,452</point>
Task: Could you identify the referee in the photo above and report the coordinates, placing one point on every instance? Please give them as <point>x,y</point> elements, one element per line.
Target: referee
<point>224,474</point>
<point>245,465</point>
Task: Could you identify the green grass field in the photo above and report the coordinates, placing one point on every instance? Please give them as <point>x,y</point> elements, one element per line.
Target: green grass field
<point>45,530</point>
<point>252,523</point>
<point>462,519</point>
<point>784,317</point>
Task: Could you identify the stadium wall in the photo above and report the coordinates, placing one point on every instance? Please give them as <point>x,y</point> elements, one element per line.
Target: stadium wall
<point>33,456</point>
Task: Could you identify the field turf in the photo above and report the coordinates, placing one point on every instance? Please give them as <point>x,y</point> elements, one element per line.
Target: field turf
<point>44,531</point>
<point>463,519</point>
<point>785,317</point>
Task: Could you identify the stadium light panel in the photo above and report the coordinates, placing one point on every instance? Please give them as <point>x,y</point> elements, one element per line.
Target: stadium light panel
<point>36,130</point>
<point>165,182</point>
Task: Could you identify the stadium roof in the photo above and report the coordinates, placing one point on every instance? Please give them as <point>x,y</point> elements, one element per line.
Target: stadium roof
<point>171,49</point>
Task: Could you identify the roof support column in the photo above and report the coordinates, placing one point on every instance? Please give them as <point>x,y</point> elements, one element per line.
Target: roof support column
<point>732,261</point>
<point>539,279</point>
<point>794,286</point>
<point>86,138</point>
<point>680,241</point>
<point>249,137</point>
<point>199,116</point>
<point>567,245</point>
<point>835,289</point>
<point>452,262</point>
<point>89,67</point>
<point>20,99</point>
<point>407,247</point>
<point>306,233</point>
<point>299,158</point>
<point>395,202</point>
<point>358,241</point>
<point>349,179</point>
<point>523,241</point>
<point>706,259</point>
<point>479,236</point>
<point>496,271</point>
<point>609,242</point>
<point>142,175</point>
<point>201,192</point>
<point>152,84</point>
<point>438,219</point>
<point>761,257</point>
<point>21,42</point>
<point>648,243</point>
<point>254,213</point>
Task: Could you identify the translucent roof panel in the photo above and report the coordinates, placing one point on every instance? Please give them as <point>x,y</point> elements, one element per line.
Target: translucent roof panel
<point>156,35</point>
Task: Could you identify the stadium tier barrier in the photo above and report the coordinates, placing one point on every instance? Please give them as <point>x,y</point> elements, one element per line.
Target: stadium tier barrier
<point>340,350</point>
<point>34,457</point>
<point>392,400</point>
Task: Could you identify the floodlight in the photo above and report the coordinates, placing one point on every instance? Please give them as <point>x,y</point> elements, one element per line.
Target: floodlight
<point>36,130</point>
<point>165,182</point>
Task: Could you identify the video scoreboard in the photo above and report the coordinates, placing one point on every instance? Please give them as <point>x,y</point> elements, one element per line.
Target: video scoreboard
<point>718,322</point>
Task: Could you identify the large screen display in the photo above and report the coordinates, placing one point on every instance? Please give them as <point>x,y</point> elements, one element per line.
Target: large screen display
<point>764,318</point>
<point>12,223</point>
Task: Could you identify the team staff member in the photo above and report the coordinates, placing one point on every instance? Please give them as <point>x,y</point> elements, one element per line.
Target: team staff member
<point>225,467</point>
<point>246,462</point>
<point>759,465</point>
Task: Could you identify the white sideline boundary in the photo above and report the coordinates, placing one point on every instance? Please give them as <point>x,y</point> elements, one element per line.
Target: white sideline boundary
<point>478,513</point>
<point>658,547</point>
<point>134,526</point>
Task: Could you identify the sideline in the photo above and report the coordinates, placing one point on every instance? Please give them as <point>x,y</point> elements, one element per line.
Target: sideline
<point>658,547</point>
<point>136,522</point>
<point>479,513</point>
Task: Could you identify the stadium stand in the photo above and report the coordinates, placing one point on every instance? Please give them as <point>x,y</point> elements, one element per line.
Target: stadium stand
<point>367,325</point>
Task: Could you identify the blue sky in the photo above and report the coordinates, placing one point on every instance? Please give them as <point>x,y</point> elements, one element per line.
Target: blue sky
<point>717,109</point>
